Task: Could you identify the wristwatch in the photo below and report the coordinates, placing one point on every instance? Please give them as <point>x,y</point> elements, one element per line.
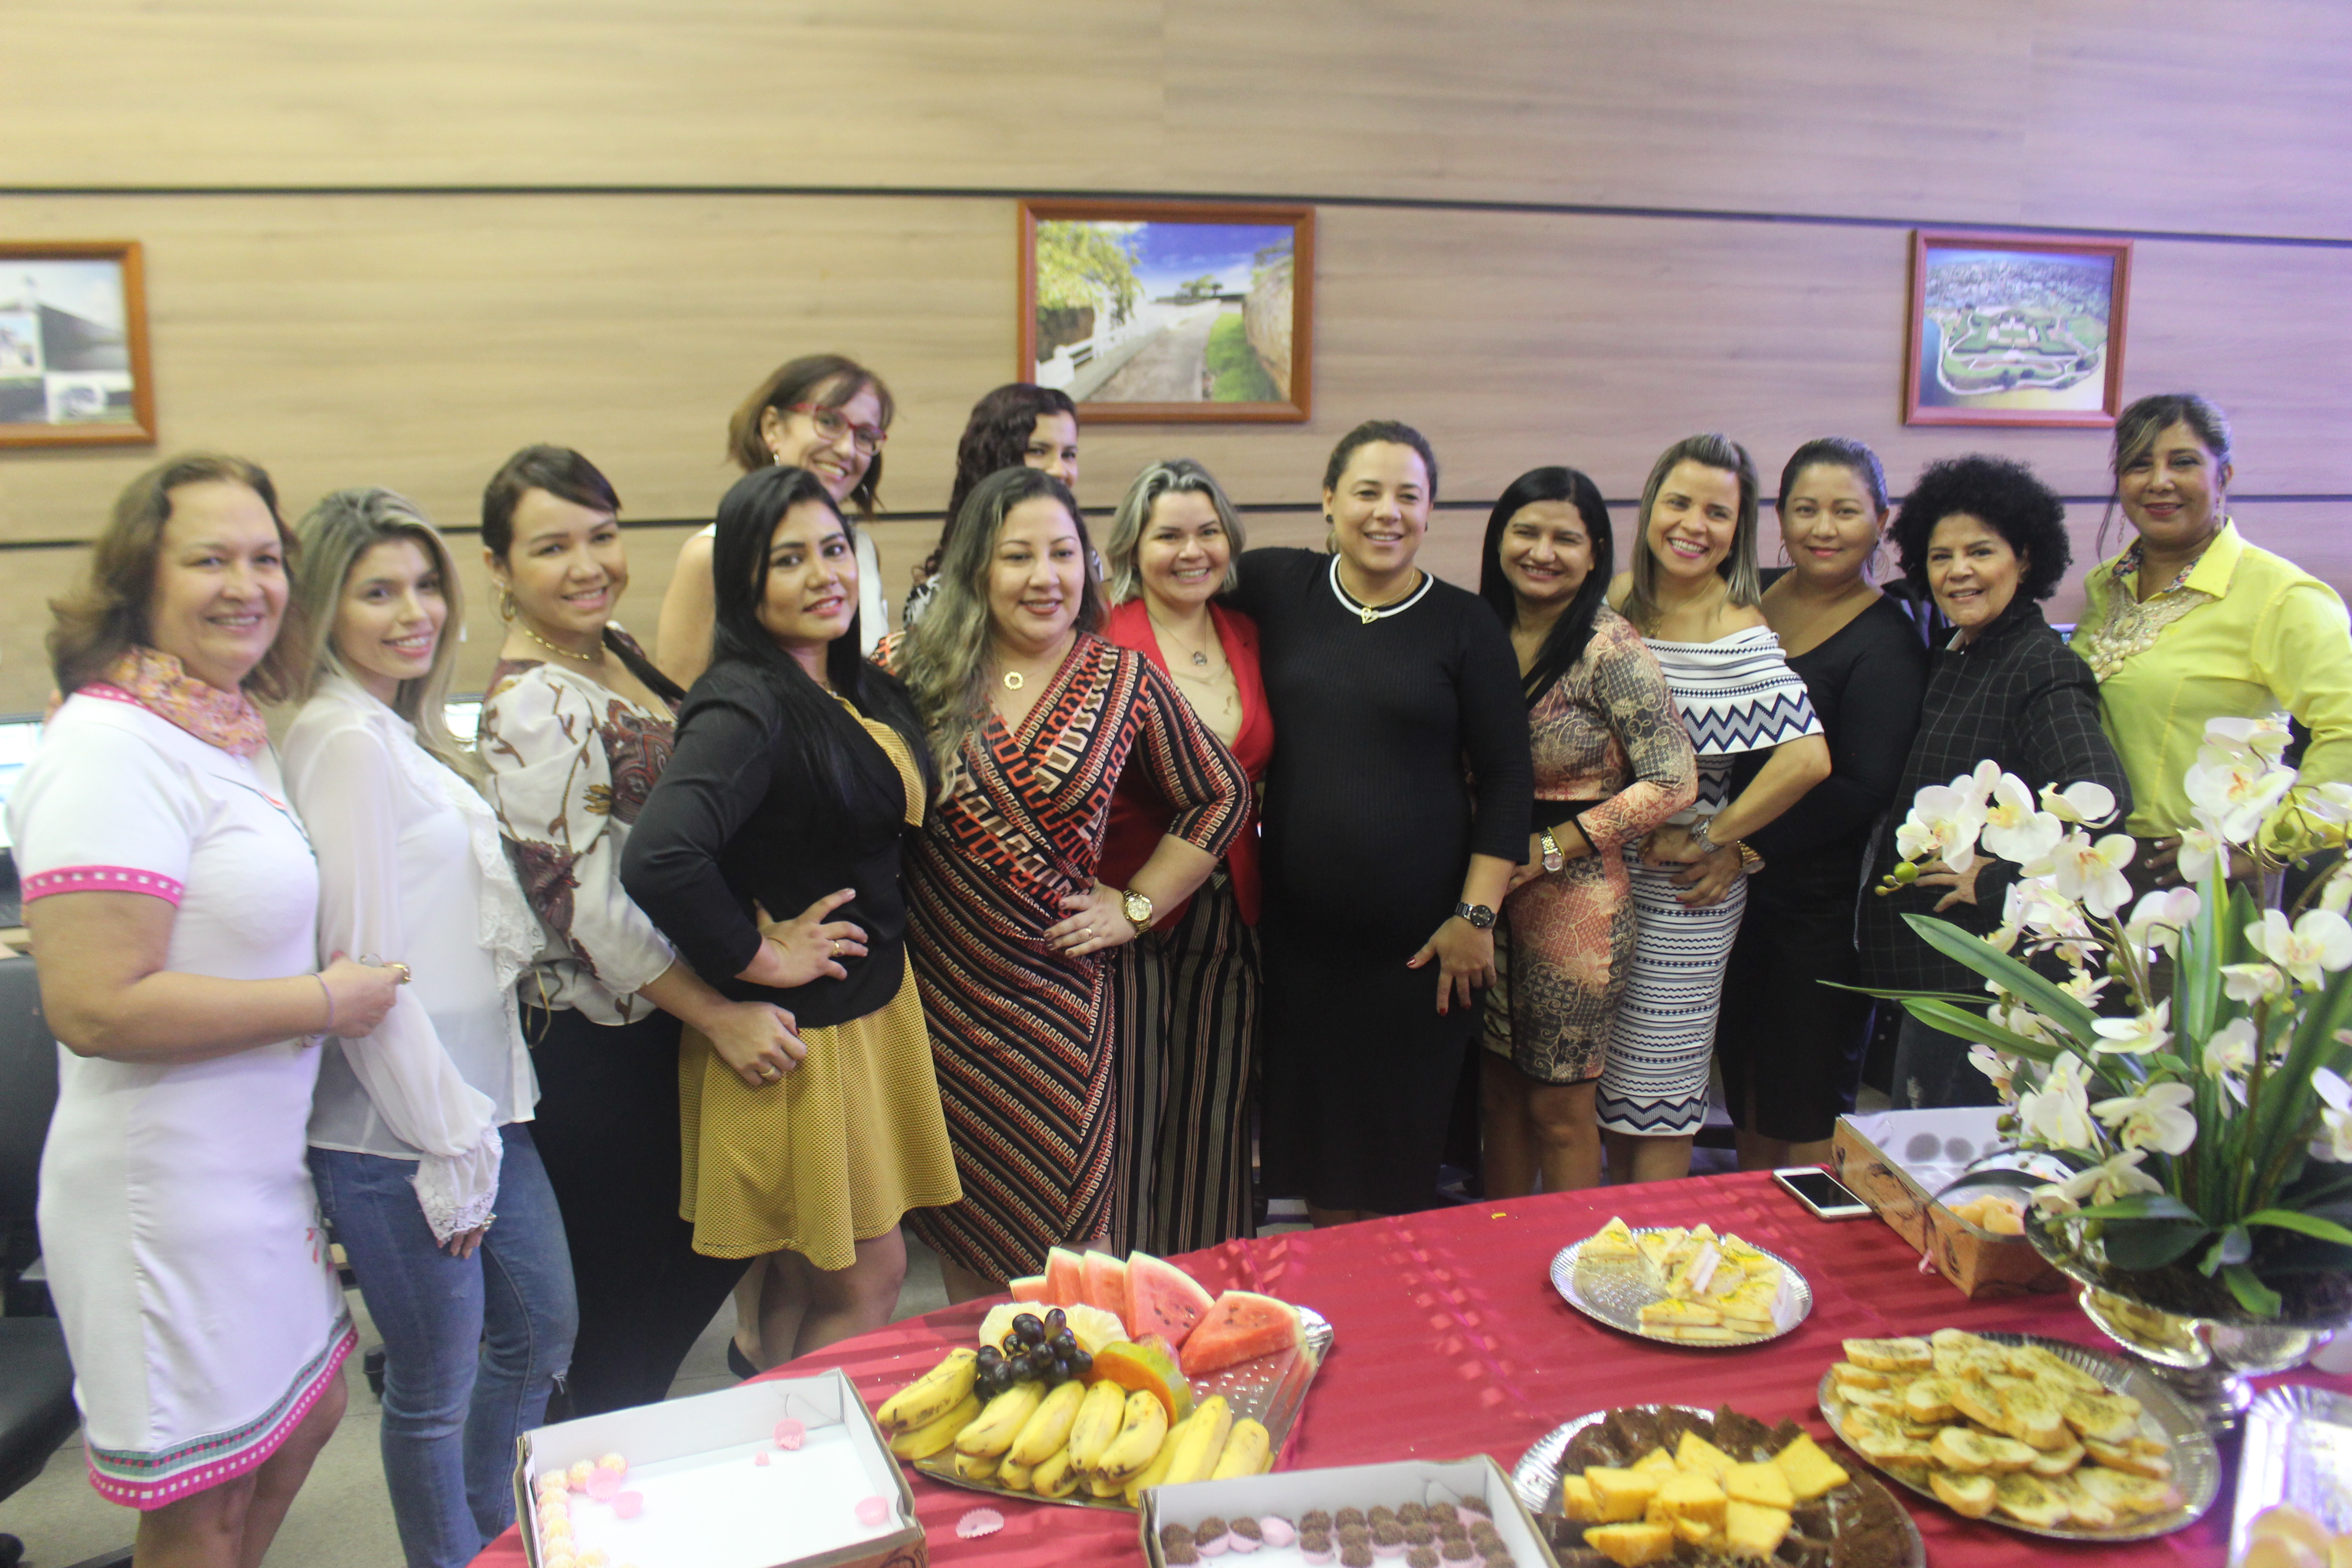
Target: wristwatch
<point>1137,909</point>
<point>1479,915</point>
<point>1699,835</point>
<point>1552,858</point>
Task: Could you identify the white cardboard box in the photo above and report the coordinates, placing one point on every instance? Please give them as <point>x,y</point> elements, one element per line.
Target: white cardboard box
<point>1293,1492</point>
<point>710,1502</point>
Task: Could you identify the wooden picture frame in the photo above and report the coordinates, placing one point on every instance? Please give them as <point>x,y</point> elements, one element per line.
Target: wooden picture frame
<point>2043,322</point>
<point>1109,320</point>
<point>73,345</point>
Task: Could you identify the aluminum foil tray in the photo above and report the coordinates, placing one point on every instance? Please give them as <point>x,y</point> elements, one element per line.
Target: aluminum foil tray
<point>1614,1293</point>
<point>2298,1449</point>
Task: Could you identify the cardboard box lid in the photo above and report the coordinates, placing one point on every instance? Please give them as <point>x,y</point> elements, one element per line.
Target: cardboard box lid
<point>1293,1492</point>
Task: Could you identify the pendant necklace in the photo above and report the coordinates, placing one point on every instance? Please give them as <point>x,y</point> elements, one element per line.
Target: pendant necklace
<point>1199,656</point>
<point>1013,681</point>
<point>1367,614</point>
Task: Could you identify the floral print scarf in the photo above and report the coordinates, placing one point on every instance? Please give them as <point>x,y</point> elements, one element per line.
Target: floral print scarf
<point>156,681</point>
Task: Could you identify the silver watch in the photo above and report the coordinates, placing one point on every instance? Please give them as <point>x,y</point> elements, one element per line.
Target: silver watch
<point>1698,832</point>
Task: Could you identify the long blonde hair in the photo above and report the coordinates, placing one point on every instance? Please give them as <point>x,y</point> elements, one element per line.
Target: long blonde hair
<point>1738,569</point>
<point>337,532</point>
<point>943,658</point>
<point>1170,475</point>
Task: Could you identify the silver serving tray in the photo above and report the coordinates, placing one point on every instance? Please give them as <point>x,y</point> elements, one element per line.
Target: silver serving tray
<point>1615,1293</point>
<point>2298,1449</point>
<point>1536,1477</point>
<point>2196,1463</point>
<point>1269,1390</point>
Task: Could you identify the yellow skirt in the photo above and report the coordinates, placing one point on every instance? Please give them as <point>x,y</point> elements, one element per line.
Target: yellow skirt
<point>833,1155</point>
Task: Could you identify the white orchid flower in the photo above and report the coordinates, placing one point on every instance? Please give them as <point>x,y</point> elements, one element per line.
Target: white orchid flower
<point>2089,871</point>
<point>2230,1049</point>
<point>2021,1020</point>
<point>2102,1184</point>
<point>2034,904</point>
<point>2336,1117</point>
<point>2159,1117</point>
<point>2266,736</point>
<point>2320,940</point>
<point>2082,803</point>
<point>2336,893</point>
<point>1944,823</point>
<point>2157,919</point>
<point>2236,790</point>
<point>2330,803</point>
<point>2135,1037</point>
<point>2201,848</point>
<point>2058,1113</point>
<point>2013,830</point>
<point>2001,1068</point>
<point>2251,982</point>
<point>2085,986</point>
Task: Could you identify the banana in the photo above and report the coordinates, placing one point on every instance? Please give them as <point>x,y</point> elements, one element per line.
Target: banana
<point>976,1468</point>
<point>1248,1451</point>
<point>1099,1415</point>
<point>940,1434</point>
<point>1156,1471</point>
<point>1139,1438</point>
<point>1194,1454</point>
<point>1014,1477</point>
<point>1000,1420</point>
<point>931,1396</point>
<point>1098,1486</point>
<point>1049,1428</point>
<point>1055,1478</point>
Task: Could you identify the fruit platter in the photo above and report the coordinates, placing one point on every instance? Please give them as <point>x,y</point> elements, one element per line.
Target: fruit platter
<point>2038,1435</point>
<point>1682,1287</point>
<point>1106,1376</point>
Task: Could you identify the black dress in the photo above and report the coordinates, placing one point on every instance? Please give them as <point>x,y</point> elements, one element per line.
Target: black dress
<point>1403,753</point>
<point>1789,1045</point>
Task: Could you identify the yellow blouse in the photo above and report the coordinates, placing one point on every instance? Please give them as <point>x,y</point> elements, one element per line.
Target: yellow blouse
<point>2243,634</point>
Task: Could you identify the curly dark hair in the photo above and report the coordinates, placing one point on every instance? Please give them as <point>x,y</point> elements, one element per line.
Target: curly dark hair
<point>2024,511</point>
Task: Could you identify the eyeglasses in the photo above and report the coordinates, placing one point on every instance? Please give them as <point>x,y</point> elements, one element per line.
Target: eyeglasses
<point>869,439</point>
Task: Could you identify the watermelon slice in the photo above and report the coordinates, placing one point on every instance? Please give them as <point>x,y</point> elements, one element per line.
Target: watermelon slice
<point>1066,1274</point>
<point>1241,1326</point>
<point>1105,1284</point>
<point>1032,1288</point>
<point>1162,1299</point>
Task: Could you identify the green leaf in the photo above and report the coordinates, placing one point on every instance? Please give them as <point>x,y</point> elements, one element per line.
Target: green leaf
<point>2253,1295</point>
<point>2310,1224</point>
<point>1974,1025</point>
<point>2141,1205</point>
<point>2151,1243</point>
<point>2019,979</point>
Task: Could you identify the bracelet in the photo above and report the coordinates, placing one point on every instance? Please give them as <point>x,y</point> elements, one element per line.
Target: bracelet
<point>1750,862</point>
<point>330,995</point>
<point>1586,833</point>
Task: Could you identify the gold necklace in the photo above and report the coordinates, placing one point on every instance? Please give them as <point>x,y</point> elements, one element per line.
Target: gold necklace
<point>596,657</point>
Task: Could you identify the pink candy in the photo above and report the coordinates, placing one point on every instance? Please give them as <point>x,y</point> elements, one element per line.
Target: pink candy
<point>790,1434</point>
<point>628,1505</point>
<point>979,1521</point>
<point>1277,1531</point>
<point>604,1485</point>
<point>872,1511</point>
<point>760,1458</point>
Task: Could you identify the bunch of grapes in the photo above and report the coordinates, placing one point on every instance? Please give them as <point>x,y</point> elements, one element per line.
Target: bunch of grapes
<point>1037,1350</point>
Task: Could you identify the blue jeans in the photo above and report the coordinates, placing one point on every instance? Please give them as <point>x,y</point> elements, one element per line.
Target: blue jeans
<point>472,1348</point>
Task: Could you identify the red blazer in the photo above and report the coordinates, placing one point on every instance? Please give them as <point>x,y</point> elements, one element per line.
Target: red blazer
<point>1138,817</point>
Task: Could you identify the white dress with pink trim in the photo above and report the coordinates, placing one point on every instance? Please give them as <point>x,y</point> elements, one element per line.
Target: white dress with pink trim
<point>177,1218</point>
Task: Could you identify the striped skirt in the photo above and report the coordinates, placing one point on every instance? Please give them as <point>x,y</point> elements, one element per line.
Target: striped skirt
<point>1187,1008</point>
<point>1663,1038</point>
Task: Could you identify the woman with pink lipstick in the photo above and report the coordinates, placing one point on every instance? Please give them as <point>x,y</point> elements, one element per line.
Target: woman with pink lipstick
<point>576,729</point>
<point>799,770</point>
<point>1694,594</point>
<point>173,902</point>
<point>824,412</point>
<point>419,1135</point>
<point>1033,718</point>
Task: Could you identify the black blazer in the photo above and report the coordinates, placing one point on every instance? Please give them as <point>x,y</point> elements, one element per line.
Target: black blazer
<point>738,816</point>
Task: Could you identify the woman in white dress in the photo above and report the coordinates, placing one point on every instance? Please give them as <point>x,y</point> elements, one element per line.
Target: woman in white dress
<point>173,902</point>
<point>420,1131</point>
<point>1694,595</point>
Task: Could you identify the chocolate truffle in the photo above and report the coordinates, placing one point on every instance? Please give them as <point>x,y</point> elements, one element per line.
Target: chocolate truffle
<point>1314,1519</point>
<point>1180,1554</point>
<point>1356,1555</point>
<point>1348,1516</point>
<point>1422,1557</point>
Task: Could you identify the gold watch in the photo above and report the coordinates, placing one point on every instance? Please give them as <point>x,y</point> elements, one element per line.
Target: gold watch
<point>1137,909</point>
<point>1553,859</point>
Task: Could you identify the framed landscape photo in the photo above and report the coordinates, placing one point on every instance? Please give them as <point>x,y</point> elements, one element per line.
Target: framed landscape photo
<point>1169,312</point>
<point>2015,332</point>
<point>73,345</point>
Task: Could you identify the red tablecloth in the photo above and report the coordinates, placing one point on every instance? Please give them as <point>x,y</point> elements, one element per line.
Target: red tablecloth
<point>1449,1340</point>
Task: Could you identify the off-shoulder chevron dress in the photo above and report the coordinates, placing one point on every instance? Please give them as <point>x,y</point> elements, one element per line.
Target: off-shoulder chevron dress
<point>1736,694</point>
<point>1022,1036</point>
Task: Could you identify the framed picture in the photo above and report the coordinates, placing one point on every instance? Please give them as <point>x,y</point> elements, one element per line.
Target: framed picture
<point>73,345</point>
<point>2015,332</point>
<point>1169,312</point>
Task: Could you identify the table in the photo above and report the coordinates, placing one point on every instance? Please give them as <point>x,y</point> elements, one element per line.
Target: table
<point>1449,1340</point>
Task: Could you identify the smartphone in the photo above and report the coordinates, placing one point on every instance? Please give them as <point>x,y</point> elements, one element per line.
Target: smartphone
<point>1820,1192</point>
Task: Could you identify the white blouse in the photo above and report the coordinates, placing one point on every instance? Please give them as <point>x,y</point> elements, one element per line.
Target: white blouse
<point>411,869</point>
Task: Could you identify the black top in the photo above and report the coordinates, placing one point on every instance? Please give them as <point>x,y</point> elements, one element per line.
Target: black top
<point>1866,681</point>
<point>1370,819</point>
<point>741,815</point>
<point>2023,698</point>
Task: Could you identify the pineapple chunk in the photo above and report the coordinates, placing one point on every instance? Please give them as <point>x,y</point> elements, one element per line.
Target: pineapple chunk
<point>1631,1545</point>
<point>1695,1498</point>
<point>1751,1531</point>
<point>1695,1453</point>
<point>1622,1495</point>
<point>1655,1461</point>
<point>1762,1484</point>
<point>1578,1501</point>
<point>1809,1470</point>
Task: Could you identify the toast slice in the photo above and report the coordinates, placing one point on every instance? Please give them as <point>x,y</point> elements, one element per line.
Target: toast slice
<point>1970,1495</point>
<point>1909,1355</point>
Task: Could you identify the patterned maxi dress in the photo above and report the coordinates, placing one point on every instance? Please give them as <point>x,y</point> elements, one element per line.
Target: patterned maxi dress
<point>1022,1036</point>
<point>1610,755</point>
<point>1735,695</point>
